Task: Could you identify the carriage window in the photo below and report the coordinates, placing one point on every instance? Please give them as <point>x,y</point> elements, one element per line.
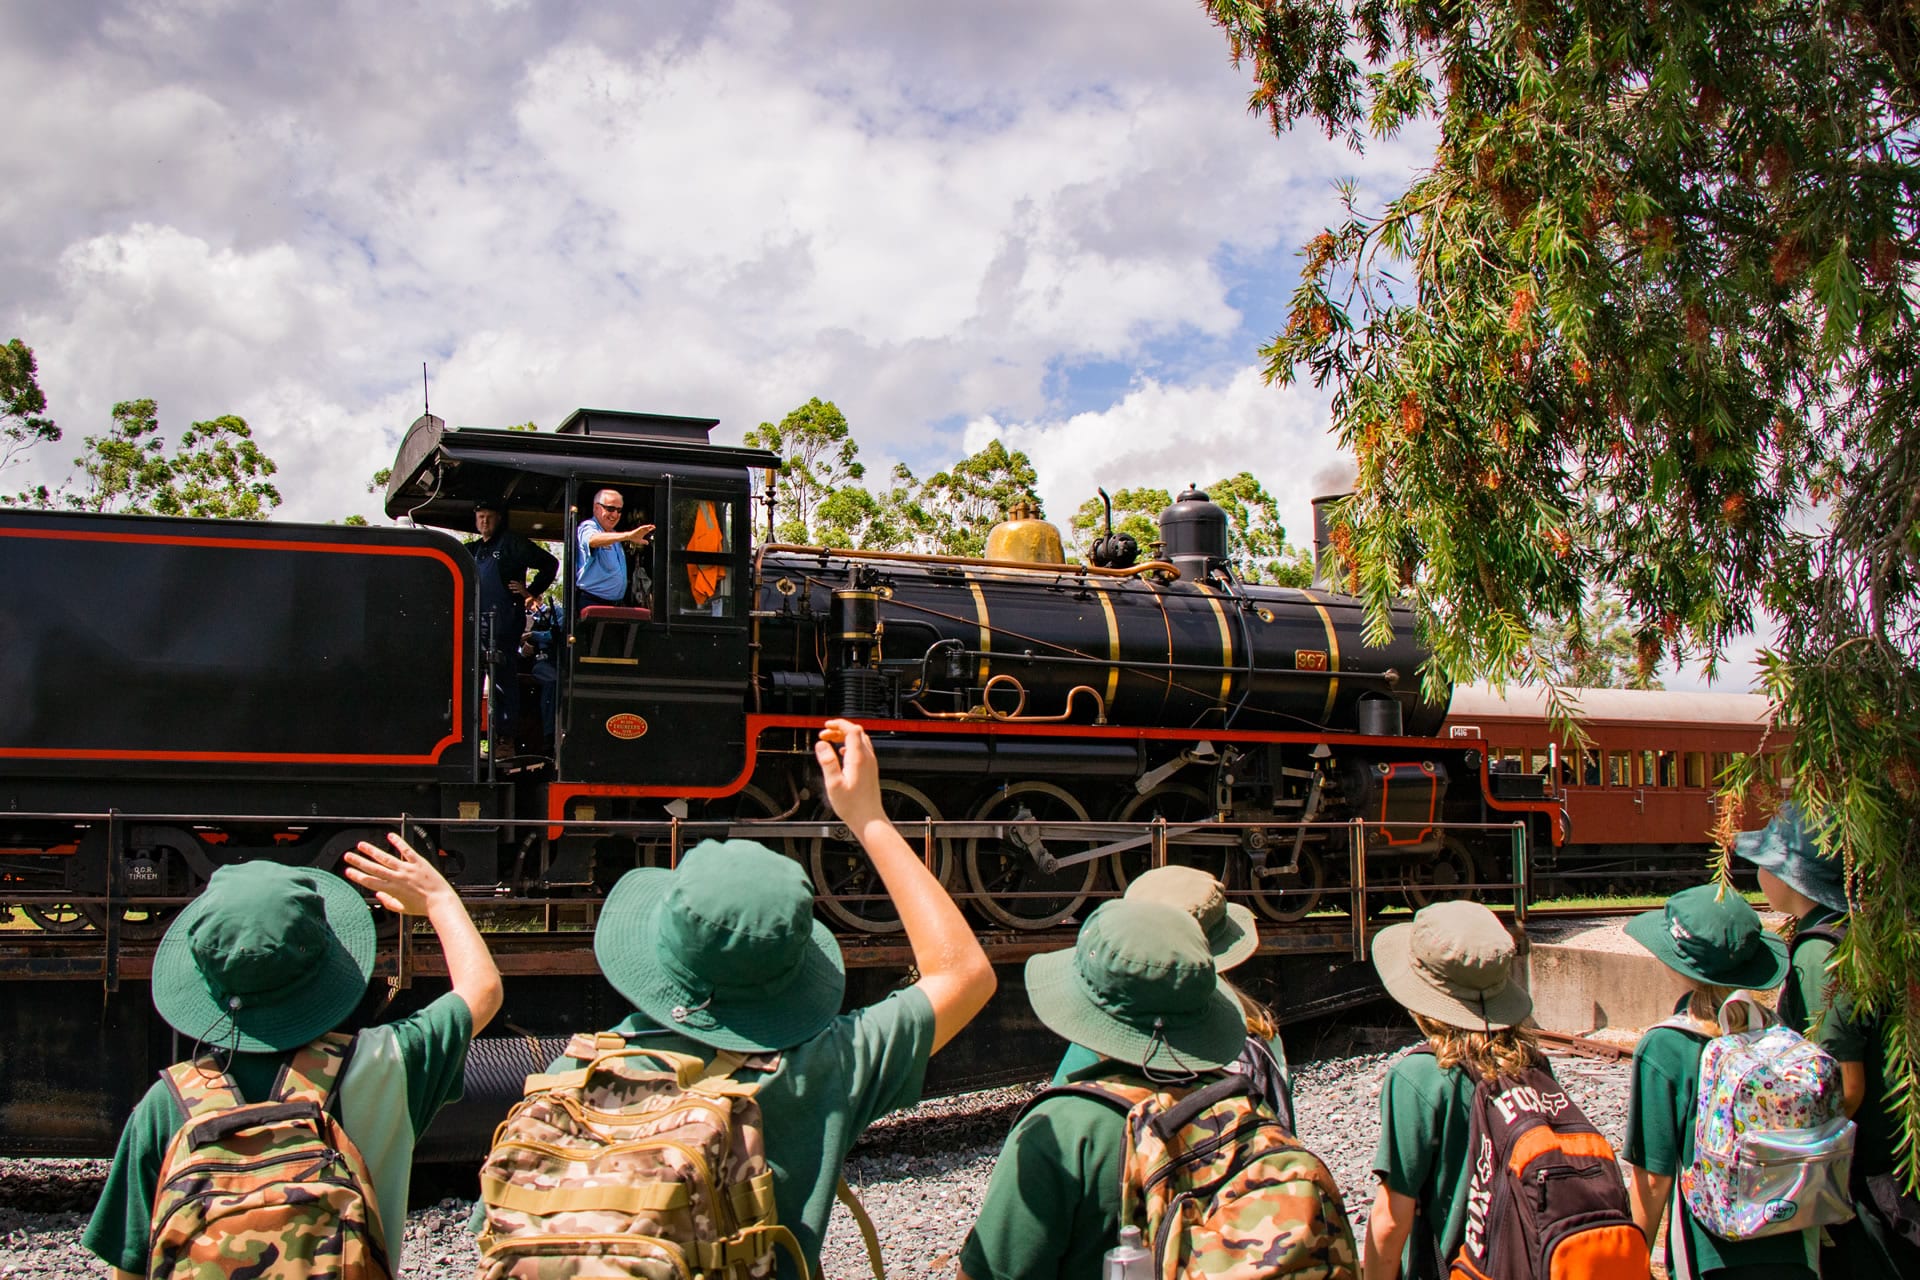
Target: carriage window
<point>1619,769</point>
<point>1589,768</point>
<point>702,574</point>
<point>1666,770</point>
<point>1696,762</point>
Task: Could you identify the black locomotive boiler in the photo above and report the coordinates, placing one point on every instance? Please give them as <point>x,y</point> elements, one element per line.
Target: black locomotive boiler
<point>186,693</point>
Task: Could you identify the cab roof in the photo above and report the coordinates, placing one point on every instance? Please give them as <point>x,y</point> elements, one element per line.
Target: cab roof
<point>440,472</point>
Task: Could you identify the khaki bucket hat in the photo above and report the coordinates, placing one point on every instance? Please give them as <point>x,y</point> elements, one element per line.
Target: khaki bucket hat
<point>1231,933</point>
<point>1453,963</point>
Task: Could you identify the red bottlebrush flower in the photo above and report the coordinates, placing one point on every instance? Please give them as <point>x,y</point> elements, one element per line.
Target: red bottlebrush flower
<point>1734,510</point>
<point>1320,321</point>
<point>1789,260</point>
<point>1521,310</point>
<point>1320,252</point>
<point>1501,433</point>
<point>1669,625</point>
<point>1777,164</point>
<point>1490,479</point>
<point>1561,541</point>
<point>1695,318</point>
<point>1412,416</point>
<point>1883,260</point>
<point>1582,372</point>
<point>1706,108</point>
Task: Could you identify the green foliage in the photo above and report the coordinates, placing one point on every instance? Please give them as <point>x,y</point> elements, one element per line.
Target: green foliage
<point>817,464</point>
<point>1644,325</point>
<point>1135,512</point>
<point>1256,541</point>
<point>1593,649</point>
<point>964,502</point>
<point>23,406</point>
<point>216,470</point>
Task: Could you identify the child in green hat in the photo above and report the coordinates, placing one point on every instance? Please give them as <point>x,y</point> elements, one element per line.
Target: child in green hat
<point>1712,937</point>
<point>268,959</point>
<point>1138,992</point>
<point>1232,937</point>
<point>1800,881</point>
<point>723,953</point>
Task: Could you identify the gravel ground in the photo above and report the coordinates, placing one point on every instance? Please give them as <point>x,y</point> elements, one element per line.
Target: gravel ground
<point>920,1173</point>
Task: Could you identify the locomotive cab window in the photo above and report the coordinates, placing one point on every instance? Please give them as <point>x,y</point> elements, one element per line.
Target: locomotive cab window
<point>702,578</point>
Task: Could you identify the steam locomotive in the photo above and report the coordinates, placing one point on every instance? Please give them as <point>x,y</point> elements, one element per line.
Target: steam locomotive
<point>191,692</point>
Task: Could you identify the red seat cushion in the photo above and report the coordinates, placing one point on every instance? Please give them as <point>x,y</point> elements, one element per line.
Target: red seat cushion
<point>614,613</point>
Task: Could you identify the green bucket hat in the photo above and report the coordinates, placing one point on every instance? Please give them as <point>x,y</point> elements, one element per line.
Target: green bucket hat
<point>1454,963</point>
<point>1789,849</point>
<point>723,949</point>
<point>1139,987</point>
<point>268,957</point>
<point>1231,933</point>
<point>1712,935</point>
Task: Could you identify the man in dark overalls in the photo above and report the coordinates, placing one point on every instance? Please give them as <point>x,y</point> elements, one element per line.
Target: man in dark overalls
<point>504,559</point>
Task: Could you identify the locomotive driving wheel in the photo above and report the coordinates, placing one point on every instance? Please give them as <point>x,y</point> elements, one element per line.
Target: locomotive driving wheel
<point>1008,872</point>
<point>1176,804</point>
<point>1283,895</point>
<point>849,889</point>
<point>56,917</point>
<point>1449,874</point>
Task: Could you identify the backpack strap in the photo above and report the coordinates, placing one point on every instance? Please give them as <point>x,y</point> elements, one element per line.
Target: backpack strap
<point>586,1046</point>
<point>844,1194</point>
<point>314,1071</point>
<point>200,1087</point>
<point>1833,931</point>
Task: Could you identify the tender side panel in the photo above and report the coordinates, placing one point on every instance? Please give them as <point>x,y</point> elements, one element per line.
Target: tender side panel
<point>153,646</point>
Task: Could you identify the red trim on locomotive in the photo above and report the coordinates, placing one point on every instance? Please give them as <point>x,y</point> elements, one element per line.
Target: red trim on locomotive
<point>559,793</point>
<point>433,754</point>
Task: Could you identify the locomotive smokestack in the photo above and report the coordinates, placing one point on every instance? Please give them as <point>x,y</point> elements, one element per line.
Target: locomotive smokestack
<point>1322,529</point>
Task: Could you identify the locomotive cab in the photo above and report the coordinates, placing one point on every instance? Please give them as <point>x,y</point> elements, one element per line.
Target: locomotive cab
<point>663,641</point>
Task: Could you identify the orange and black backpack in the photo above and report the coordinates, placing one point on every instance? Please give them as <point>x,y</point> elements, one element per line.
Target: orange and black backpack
<point>1544,1196</point>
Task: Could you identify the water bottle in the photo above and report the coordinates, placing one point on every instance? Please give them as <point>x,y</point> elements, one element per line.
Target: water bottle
<point>1127,1260</point>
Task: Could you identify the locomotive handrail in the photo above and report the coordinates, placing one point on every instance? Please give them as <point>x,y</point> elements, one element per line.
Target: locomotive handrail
<point>923,557</point>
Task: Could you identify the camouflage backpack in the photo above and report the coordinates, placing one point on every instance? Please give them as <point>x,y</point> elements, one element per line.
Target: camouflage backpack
<point>1220,1189</point>
<point>623,1169</point>
<point>272,1189</point>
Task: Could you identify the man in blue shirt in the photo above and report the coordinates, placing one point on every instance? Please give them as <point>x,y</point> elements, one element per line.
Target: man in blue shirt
<point>600,567</point>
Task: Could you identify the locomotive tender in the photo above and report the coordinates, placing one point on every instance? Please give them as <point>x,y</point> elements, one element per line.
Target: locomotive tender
<point>278,690</point>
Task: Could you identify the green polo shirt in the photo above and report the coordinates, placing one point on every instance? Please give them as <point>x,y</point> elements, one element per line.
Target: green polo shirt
<point>1813,1003</point>
<point>1052,1207</point>
<point>1425,1111</point>
<point>819,1099</point>
<point>401,1071</point>
<point>1660,1115</point>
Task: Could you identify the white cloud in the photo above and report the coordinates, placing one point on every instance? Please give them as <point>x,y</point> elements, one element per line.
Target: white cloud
<point>1171,436</point>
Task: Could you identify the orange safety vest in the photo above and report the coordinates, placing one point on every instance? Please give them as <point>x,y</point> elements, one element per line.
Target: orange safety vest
<point>704,579</point>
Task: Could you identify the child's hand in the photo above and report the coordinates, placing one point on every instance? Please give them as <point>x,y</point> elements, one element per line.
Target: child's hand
<point>402,880</point>
<point>852,774</point>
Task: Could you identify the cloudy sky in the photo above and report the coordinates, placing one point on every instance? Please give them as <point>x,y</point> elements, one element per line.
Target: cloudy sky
<point>1051,223</point>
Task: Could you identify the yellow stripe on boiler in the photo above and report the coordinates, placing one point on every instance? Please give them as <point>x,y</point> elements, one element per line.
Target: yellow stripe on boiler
<point>1333,656</point>
<point>1226,642</point>
<point>1113,648</point>
<point>986,636</point>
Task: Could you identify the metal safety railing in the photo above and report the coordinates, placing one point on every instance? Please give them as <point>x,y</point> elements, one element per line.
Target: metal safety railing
<point>1295,876</point>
